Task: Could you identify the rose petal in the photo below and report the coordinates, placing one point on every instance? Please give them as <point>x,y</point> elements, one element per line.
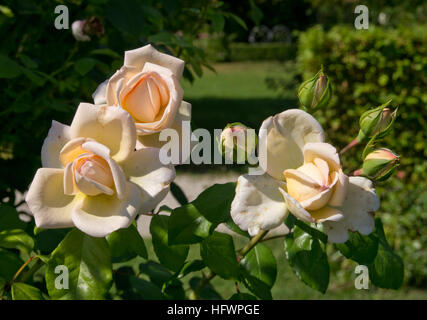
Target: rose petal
<point>340,190</point>
<point>57,137</point>
<point>110,126</point>
<point>116,171</point>
<point>139,57</point>
<point>323,151</point>
<point>175,99</point>
<point>185,146</point>
<point>296,208</point>
<point>282,139</point>
<point>325,214</point>
<point>100,94</point>
<point>258,204</point>
<point>358,209</point>
<point>115,83</point>
<point>49,205</point>
<point>100,215</point>
<point>144,169</point>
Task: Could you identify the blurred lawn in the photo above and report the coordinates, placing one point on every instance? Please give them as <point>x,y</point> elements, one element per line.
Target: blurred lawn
<point>237,92</point>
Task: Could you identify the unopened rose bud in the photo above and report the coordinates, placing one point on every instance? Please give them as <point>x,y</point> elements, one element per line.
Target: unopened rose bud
<point>315,92</point>
<point>237,142</point>
<point>377,121</point>
<point>380,164</point>
<point>84,29</point>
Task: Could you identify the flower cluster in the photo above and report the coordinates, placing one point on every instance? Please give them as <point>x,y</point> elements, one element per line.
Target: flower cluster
<point>104,169</point>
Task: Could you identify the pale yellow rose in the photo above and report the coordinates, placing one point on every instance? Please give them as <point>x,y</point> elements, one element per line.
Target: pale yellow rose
<point>148,87</point>
<point>303,175</point>
<point>93,178</point>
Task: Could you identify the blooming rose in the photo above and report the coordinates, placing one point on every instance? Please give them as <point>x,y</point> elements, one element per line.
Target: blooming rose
<point>303,175</point>
<point>147,86</point>
<point>93,178</point>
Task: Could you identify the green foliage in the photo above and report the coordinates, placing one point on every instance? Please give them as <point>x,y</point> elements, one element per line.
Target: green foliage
<point>171,256</point>
<point>22,291</point>
<point>16,239</point>
<point>360,248</point>
<point>88,261</point>
<point>126,244</point>
<point>308,258</point>
<point>386,271</point>
<point>219,255</point>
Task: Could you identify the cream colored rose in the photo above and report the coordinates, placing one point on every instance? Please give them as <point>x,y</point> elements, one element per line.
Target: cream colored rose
<point>303,175</point>
<point>93,178</point>
<point>147,86</point>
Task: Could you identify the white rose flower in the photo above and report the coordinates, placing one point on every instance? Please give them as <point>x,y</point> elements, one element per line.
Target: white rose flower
<point>303,175</point>
<point>93,178</point>
<point>148,87</point>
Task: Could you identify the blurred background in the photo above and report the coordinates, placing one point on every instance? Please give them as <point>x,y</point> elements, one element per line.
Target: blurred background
<point>244,62</point>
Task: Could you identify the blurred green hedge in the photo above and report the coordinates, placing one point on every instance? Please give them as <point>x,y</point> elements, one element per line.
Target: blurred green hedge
<point>221,50</point>
<point>367,67</point>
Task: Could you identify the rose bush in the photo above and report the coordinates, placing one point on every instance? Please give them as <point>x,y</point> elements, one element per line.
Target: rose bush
<point>147,86</point>
<point>92,177</point>
<point>303,176</point>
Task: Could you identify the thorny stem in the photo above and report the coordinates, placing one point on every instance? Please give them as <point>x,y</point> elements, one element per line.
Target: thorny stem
<point>25,277</point>
<point>195,294</point>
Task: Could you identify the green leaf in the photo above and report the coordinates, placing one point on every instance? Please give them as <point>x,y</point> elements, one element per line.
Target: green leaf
<point>10,263</point>
<point>387,270</point>
<point>214,203</point>
<point>178,194</point>
<point>27,61</point>
<point>127,16</point>
<point>308,259</point>
<point>230,224</point>
<point>22,291</point>
<point>172,256</point>
<point>88,261</point>
<point>162,37</point>
<point>186,226</point>
<point>242,296</point>
<point>261,264</point>
<point>9,218</point>
<point>16,239</point>
<point>218,21</point>
<point>187,268</point>
<point>48,239</point>
<point>208,292</point>
<point>8,68</point>
<point>145,289</point>
<point>126,244</point>
<point>256,286</point>
<point>34,77</point>
<point>106,52</point>
<point>84,65</point>
<point>219,254</point>
<point>360,248</point>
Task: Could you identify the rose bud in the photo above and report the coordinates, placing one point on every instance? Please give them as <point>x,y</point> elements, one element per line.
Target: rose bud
<point>377,121</point>
<point>237,142</point>
<point>83,29</point>
<point>315,92</point>
<point>380,164</point>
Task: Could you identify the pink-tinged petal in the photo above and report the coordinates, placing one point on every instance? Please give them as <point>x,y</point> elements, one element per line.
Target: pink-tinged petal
<point>296,208</point>
<point>49,205</point>
<point>145,169</point>
<point>323,151</point>
<point>139,57</point>
<point>100,215</point>
<point>258,204</point>
<point>116,171</point>
<point>282,139</point>
<point>110,126</point>
<point>71,150</point>
<point>70,187</point>
<point>57,137</point>
<point>115,84</point>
